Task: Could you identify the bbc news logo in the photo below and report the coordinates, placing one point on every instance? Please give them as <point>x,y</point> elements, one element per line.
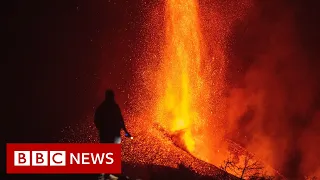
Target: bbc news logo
<point>39,158</point>
<point>63,158</point>
<point>58,158</point>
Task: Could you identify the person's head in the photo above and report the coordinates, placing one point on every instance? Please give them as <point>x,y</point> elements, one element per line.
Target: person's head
<point>109,95</point>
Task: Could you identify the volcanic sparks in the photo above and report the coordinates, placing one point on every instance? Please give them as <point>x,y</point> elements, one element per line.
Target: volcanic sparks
<point>182,84</point>
<point>177,98</point>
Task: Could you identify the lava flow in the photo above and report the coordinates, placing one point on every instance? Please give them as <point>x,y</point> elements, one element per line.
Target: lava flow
<point>182,86</point>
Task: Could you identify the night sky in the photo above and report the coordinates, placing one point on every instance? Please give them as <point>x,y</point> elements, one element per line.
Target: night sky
<point>60,55</point>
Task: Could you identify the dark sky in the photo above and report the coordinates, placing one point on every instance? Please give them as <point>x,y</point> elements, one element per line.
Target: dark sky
<point>57,52</point>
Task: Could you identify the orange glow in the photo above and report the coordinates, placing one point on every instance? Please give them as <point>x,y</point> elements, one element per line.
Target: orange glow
<point>189,85</point>
<point>181,83</point>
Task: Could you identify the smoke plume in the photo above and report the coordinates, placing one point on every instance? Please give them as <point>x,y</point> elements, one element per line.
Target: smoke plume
<point>274,110</point>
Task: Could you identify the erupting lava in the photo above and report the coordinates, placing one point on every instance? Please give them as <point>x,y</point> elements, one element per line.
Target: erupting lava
<point>181,86</point>
<point>178,108</point>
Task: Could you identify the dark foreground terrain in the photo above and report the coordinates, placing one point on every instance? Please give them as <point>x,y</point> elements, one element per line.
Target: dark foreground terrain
<point>143,172</point>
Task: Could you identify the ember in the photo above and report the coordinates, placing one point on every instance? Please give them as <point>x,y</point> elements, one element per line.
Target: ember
<point>179,111</point>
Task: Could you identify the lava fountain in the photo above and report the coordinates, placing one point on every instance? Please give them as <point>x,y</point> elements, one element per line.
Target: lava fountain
<point>181,85</point>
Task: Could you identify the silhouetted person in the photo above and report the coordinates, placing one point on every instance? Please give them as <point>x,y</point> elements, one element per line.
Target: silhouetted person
<point>109,121</point>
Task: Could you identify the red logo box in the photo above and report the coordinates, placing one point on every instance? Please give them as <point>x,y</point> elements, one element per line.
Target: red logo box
<point>65,158</point>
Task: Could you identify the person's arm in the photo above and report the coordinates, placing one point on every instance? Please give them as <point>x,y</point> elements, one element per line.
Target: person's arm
<point>123,126</point>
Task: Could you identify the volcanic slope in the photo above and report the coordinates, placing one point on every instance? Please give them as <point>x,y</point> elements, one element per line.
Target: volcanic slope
<point>152,146</point>
<point>150,153</point>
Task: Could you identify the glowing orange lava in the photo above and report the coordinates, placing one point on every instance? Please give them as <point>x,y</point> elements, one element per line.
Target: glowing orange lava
<point>181,84</point>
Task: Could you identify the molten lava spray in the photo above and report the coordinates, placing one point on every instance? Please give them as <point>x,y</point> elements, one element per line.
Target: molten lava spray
<point>181,87</point>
